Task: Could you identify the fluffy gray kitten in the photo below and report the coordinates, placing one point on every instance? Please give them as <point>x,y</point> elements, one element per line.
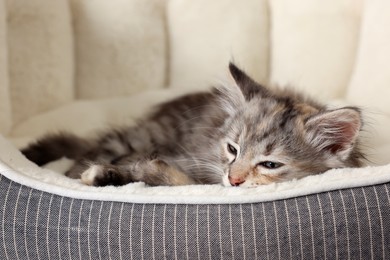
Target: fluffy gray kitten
<point>239,134</point>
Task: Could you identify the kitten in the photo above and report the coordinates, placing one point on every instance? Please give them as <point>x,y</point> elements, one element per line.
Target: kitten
<point>239,134</point>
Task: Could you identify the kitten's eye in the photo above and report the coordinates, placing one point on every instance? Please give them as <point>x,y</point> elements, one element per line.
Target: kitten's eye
<point>270,165</point>
<point>232,149</point>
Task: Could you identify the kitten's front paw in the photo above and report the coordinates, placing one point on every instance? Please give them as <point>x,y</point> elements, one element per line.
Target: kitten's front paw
<point>100,175</point>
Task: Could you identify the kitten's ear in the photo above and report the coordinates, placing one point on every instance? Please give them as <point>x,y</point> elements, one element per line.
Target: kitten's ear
<point>247,85</point>
<point>334,131</point>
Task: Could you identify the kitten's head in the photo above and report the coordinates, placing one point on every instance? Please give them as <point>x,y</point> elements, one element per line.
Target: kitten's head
<point>276,135</point>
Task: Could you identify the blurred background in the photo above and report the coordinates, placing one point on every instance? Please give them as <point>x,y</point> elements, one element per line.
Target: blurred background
<point>82,65</point>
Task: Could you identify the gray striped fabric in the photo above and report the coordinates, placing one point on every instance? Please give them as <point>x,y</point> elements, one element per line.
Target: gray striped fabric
<point>347,224</point>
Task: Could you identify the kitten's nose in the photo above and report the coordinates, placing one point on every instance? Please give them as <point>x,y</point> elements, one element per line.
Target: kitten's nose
<point>234,181</point>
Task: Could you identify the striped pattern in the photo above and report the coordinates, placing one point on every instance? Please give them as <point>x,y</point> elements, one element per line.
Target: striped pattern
<point>351,223</point>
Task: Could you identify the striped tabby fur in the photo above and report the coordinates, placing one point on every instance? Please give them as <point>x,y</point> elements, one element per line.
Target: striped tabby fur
<point>239,134</point>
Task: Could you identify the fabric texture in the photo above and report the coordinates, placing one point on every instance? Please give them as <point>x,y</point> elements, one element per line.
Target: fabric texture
<point>40,54</point>
<point>373,58</point>
<point>121,47</point>
<point>370,83</point>
<point>51,179</point>
<point>228,30</point>
<point>343,224</point>
<point>5,104</point>
<point>314,45</point>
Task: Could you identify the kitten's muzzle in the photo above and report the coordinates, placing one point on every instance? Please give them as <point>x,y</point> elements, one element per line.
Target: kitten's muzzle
<point>236,181</point>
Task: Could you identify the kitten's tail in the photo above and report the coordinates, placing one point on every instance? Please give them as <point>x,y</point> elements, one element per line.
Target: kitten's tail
<point>53,147</point>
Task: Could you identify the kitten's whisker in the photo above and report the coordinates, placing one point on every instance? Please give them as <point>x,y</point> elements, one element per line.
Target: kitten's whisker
<point>188,153</point>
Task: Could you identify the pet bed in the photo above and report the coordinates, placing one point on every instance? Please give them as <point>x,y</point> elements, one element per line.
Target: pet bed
<point>56,56</point>
<point>343,213</point>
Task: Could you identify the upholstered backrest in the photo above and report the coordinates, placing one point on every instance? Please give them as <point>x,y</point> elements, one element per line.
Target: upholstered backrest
<point>55,52</point>
<point>314,44</point>
<point>206,35</point>
<point>40,56</point>
<point>120,47</point>
<point>310,45</point>
<point>5,106</point>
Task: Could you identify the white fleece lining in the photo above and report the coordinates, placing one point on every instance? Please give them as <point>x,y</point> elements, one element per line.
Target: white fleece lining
<point>17,168</point>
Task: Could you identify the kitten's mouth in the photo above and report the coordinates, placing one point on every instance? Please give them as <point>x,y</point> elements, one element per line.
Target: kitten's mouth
<point>246,184</point>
